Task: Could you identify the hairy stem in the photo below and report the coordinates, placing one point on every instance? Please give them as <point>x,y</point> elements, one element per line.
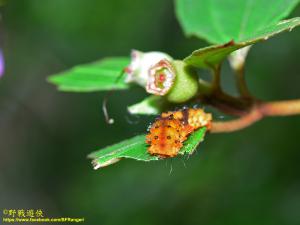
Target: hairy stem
<point>257,112</point>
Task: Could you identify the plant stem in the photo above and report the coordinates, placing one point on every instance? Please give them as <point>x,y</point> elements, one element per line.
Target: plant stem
<point>248,108</point>
<point>281,108</point>
<point>216,83</point>
<point>228,104</point>
<point>237,62</point>
<point>241,82</point>
<point>257,112</point>
<point>214,95</point>
<point>236,124</point>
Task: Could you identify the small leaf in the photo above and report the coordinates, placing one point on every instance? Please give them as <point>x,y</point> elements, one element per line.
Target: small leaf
<point>213,55</point>
<point>97,76</point>
<point>149,106</point>
<point>136,148</point>
<point>239,20</point>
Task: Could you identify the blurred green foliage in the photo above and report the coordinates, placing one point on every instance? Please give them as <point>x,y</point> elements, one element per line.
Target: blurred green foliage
<point>249,177</point>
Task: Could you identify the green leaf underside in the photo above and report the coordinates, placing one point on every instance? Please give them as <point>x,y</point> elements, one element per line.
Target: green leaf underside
<point>151,105</point>
<point>213,55</point>
<point>96,76</point>
<point>136,148</point>
<point>221,21</point>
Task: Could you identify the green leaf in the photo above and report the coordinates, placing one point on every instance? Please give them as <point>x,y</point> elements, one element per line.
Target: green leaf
<point>193,141</point>
<point>151,105</point>
<point>97,76</point>
<point>213,55</point>
<point>239,20</point>
<point>136,148</point>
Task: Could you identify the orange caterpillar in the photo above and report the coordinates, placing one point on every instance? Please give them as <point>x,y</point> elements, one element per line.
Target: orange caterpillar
<point>171,129</point>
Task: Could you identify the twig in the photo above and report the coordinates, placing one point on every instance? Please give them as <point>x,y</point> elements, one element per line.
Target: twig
<point>236,124</point>
<point>228,104</point>
<point>281,108</point>
<point>258,111</point>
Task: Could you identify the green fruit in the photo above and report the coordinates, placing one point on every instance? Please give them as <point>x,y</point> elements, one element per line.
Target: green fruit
<point>185,85</point>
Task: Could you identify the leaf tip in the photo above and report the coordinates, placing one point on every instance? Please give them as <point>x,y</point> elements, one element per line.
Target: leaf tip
<point>53,79</point>
<point>97,165</point>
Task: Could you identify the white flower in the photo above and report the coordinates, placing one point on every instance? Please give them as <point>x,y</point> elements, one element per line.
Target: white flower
<point>141,63</point>
<point>161,78</point>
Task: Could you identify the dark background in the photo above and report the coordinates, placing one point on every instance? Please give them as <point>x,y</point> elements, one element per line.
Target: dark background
<point>247,177</point>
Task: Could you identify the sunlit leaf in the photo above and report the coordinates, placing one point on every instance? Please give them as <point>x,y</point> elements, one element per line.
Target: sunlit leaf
<point>212,55</point>
<point>220,21</point>
<point>149,106</point>
<point>97,76</point>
